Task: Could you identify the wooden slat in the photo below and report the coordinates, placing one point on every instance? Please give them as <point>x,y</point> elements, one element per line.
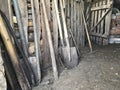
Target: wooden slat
<point>99,16</point>
<point>101,7</point>
<point>72,19</point>
<point>78,25</point>
<point>107,24</point>
<point>97,28</point>
<point>104,29</point>
<point>95,21</point>
<point>83,27</point>
<point>99,35</point>
<point>108,21</point>
<point>92,20</point>
<point>102,23</point>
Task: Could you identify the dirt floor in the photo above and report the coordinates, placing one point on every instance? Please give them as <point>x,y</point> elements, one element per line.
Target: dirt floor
<point>99,70</point>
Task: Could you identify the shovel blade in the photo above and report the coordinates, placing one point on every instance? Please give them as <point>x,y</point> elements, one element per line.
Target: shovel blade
<point>74,57</point>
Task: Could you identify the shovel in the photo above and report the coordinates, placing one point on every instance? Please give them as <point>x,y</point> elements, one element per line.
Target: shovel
<point>69,54</point>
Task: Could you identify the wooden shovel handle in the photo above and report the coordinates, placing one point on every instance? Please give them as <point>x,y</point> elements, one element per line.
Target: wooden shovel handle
<point>58,21</point>
<point>65,30</point>
<point>86,28</point>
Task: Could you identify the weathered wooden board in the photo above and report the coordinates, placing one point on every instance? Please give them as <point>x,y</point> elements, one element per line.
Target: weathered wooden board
<point>75,22</point>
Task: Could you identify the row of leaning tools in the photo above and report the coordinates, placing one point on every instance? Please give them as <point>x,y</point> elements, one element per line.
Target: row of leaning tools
<point>41,30</point>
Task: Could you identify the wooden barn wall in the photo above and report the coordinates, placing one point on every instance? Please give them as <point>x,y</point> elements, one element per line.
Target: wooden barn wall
<point>75,20</point>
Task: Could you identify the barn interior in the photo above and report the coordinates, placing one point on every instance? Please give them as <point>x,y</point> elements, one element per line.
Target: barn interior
<point>60,44</point>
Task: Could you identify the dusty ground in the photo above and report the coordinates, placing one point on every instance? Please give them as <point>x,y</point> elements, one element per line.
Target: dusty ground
<point>99,70</point>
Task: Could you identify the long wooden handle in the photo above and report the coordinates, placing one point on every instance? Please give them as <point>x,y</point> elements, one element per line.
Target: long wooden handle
<point>86,28</point>
<point>64,24</point>
<point>58,20</point>
<point>54,65</point>
<point>65,29</point>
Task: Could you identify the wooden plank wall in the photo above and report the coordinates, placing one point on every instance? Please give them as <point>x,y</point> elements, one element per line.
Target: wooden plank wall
<point>101,33</point>
<point>75,22</point>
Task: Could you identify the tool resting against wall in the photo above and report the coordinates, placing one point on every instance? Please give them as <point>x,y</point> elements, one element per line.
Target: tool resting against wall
<point>23,73</point>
